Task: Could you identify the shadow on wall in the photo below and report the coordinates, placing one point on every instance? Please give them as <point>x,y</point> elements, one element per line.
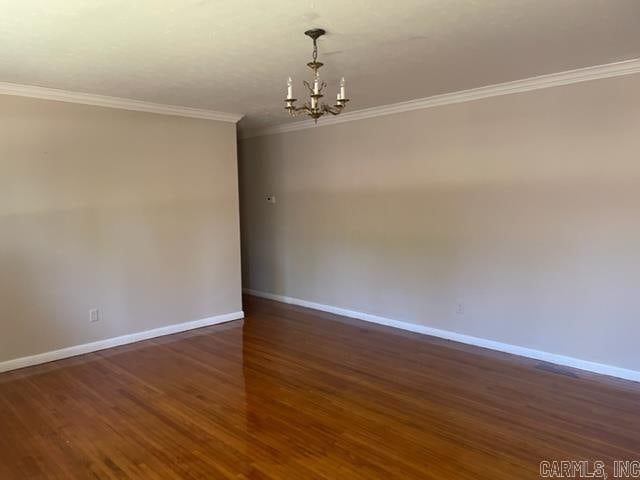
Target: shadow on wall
<point>545,265</point>
<point>255,217</point>
<point>142,267</point>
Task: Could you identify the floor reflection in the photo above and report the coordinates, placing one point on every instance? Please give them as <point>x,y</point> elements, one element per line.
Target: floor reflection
<point>290,393</point>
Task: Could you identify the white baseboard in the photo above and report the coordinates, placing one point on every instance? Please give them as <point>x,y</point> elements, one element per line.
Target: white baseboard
<point>115,342</point>
<point>459,337</point>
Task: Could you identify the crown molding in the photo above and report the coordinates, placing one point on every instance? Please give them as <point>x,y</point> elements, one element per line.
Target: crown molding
<point>114,102</point>
<point>617,69</point>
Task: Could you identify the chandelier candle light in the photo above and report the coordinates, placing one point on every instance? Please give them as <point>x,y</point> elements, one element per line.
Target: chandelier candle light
<point>314,108</point>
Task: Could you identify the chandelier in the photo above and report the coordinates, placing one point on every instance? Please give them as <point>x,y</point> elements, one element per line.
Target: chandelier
<point>315,108</point>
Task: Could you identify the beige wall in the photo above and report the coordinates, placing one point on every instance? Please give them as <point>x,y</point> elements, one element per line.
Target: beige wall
<point>525,208</point>
<point>132,213</point>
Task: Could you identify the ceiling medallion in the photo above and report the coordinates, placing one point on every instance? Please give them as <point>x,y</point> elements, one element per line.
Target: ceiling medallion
<point>314,108</point>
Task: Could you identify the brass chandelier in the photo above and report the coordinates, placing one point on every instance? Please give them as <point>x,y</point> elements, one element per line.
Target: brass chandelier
<point>315,108</point>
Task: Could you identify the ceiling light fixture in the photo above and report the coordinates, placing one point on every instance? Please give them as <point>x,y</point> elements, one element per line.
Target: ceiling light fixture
<point>314,108</point>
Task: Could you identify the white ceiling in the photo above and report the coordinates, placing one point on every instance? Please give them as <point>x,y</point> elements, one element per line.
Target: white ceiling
<point>235,55</point>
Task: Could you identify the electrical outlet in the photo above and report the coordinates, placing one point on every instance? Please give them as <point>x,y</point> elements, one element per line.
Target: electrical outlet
<point>270,198</point>
<point>459,308</point>
<point>94,315</point>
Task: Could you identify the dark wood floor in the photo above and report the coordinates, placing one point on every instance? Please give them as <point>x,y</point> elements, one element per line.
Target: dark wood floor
<point>291,393</point>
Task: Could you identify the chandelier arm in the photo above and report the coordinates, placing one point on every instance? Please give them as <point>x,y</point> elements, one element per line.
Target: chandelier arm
<point>295,111</point>
<point>335,110</point>
<point>309,87</point>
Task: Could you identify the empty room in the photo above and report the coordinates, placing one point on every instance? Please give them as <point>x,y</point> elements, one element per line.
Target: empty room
<point>328,239</point>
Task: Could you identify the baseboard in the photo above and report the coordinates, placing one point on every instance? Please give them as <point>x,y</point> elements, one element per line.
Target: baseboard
<point>459,337</point>
<point>115,342</point>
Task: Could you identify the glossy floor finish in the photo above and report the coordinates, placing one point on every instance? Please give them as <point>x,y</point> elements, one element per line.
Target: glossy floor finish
<point>291,393</point>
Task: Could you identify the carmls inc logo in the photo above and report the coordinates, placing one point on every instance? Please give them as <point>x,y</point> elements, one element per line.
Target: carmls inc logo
<point>585,469</point>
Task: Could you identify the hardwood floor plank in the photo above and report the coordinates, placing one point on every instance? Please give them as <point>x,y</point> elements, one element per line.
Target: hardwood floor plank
<point>292,393</point>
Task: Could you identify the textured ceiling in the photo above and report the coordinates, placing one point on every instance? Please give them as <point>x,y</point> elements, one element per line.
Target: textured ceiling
<point>235,55</point>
